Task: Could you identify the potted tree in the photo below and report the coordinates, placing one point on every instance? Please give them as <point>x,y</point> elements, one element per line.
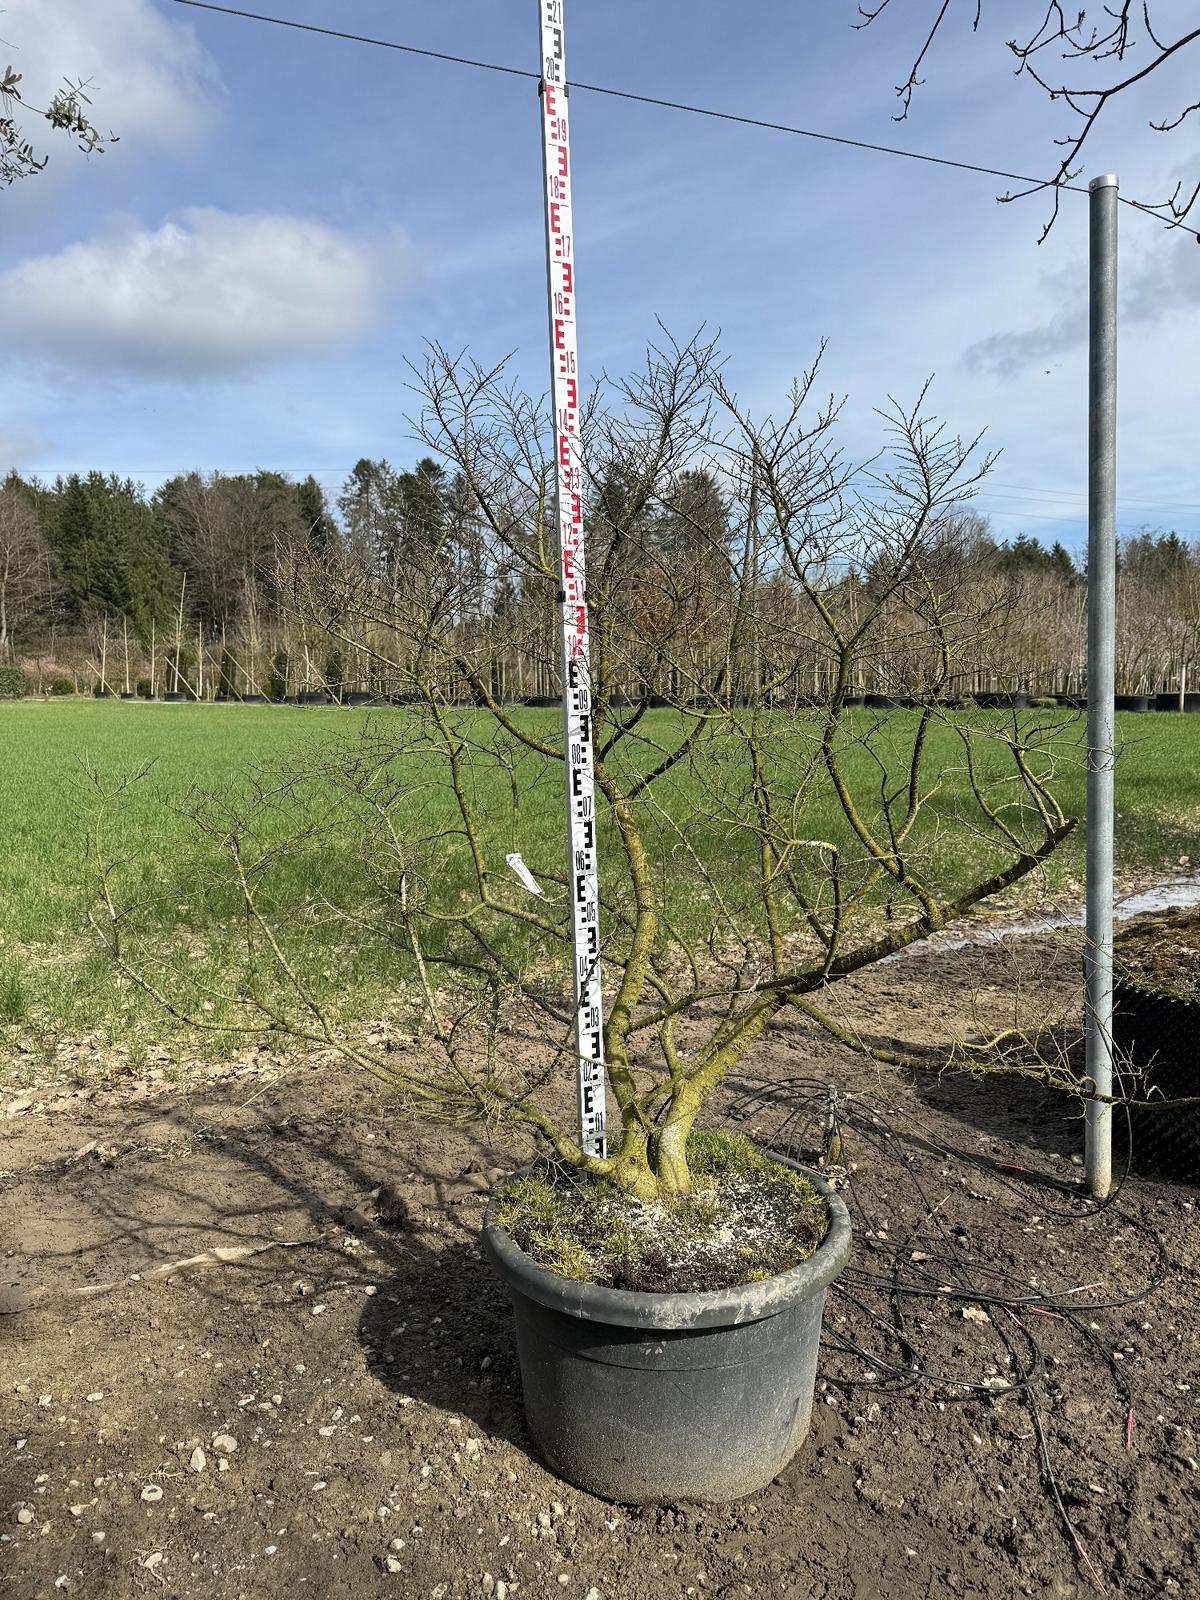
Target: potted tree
<point>668,1289</point>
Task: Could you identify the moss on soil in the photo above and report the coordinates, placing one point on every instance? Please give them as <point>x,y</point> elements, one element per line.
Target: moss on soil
<point>745,1219</point>
<point>1161,953</point>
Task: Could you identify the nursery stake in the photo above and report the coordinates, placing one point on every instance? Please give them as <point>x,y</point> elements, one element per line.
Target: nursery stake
<point>582,881</point>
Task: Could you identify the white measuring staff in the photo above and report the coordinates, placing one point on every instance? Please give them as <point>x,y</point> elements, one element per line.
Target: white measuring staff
<point>582,880</point>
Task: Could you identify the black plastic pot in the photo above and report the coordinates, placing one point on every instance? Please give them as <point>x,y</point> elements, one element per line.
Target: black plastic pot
<point>1170,701</point>
<point>882,702</point>
<point>1072,702</point>
<point>359,697</point>
<point>1001,700</point>
<point>174,695</point>
<point>255,700</point>
<point>314,697</point>
<point>1159,1036</point>
<point>650,1399</point>
<point>128,694</point>
<point>1131,702</point>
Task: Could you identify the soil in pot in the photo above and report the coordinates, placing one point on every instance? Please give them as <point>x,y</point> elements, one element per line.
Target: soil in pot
<point>1162,953</point>
<point>657,1397</point>
<point>746,1219</point>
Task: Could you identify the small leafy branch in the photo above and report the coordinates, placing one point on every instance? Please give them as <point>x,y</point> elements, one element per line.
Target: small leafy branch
<point>68,111</point>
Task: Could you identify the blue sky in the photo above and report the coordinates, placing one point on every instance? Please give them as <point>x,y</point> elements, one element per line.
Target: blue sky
<point>239,281</point>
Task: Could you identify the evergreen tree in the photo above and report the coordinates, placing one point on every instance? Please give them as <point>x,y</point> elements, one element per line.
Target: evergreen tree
<point>317,525</point>
<point>109,555</point>
<point>277,682</point>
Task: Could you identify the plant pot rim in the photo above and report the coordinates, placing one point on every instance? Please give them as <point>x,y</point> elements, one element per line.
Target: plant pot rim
<point>711,1308</point>
<point>1189,1003</point>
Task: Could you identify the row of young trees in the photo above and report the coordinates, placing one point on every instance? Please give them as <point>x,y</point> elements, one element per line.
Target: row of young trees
<point>224,584</point>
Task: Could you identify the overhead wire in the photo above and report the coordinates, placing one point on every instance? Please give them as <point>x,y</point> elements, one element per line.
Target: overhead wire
<point>690,109</point>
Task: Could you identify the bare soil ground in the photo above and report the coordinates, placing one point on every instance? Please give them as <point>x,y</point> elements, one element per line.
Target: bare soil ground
<point>338,1412</point>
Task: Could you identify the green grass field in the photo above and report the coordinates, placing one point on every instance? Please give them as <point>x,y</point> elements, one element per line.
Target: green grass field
<point>56,981</point>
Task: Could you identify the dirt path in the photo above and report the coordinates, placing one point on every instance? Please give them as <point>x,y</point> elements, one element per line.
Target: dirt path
<point>338,1412</point>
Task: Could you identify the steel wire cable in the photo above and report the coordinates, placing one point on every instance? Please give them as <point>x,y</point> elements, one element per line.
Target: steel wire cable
<point>680,105</point>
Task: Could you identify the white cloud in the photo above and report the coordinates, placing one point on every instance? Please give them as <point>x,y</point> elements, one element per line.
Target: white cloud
<point>209,292</point>
<point>1157,285</point>
<point>149,78</point>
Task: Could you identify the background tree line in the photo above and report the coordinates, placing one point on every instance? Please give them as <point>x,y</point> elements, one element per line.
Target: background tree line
<point>222,584</point>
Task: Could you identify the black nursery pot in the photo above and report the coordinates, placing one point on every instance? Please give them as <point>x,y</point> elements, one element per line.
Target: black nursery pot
<point>1159,1034</point>
<point>1000,700</point>
<point>652,1399</point>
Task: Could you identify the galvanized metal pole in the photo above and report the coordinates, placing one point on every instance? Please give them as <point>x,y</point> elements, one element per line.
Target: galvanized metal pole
<point>1102,561</point>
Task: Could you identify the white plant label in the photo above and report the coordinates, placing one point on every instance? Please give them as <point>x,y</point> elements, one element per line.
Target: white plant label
<point>582,879</point>
<point>527,878</point>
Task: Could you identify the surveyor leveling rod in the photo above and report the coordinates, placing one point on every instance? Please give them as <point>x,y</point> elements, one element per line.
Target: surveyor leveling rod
<point>582,879</point>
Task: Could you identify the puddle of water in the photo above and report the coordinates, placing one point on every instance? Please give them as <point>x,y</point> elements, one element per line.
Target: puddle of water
<point>1161,897</point>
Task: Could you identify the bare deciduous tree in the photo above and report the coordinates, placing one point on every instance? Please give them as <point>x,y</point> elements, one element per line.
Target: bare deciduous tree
<point>25,578</point>
<point>1084,59</point>
<point>751,856</point>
